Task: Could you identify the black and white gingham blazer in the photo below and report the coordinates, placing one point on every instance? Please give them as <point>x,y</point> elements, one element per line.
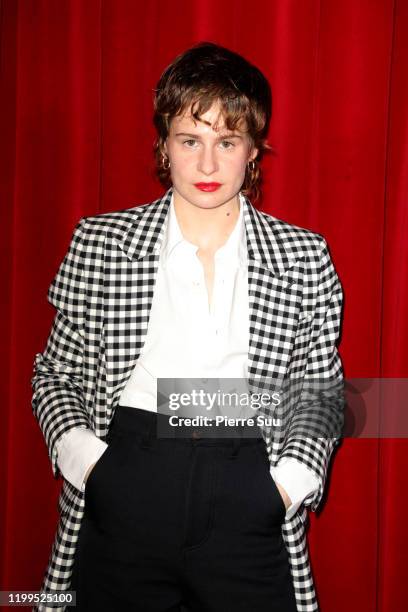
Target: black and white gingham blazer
<point>102,294</point>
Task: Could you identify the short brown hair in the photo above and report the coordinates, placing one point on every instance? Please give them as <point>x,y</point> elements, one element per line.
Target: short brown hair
<point>204,74</point>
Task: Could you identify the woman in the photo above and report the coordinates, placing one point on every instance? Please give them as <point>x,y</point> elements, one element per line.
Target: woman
<point>195,285</point>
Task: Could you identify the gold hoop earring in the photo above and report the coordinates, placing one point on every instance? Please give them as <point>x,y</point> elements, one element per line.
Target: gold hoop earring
<point>164,160</point>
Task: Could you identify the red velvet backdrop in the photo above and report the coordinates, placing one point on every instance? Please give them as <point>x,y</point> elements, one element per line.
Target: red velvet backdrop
<point>76,106</point>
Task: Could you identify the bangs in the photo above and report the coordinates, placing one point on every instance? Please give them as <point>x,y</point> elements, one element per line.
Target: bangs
<point>235,110</point>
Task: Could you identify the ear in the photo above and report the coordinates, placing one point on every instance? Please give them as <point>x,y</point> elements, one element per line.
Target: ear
<point>253,154</point>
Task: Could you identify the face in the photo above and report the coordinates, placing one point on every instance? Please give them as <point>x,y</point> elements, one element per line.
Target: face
<point>202,154</point>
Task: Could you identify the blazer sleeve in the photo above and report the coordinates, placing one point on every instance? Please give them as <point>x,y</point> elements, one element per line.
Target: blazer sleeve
<point>318,417</point>
<point>57,401</point>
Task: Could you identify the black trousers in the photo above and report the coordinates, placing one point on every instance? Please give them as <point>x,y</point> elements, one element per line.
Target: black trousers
<point>180,524</point>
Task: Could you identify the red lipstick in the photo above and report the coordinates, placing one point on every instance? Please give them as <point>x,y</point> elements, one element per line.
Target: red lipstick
<point>207,186</point>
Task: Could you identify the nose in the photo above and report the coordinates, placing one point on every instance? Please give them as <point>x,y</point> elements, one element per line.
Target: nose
<point>207,163</point>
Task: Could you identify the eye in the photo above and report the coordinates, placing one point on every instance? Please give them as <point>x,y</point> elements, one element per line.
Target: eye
<point>227,142</point>
<point>189,141</point>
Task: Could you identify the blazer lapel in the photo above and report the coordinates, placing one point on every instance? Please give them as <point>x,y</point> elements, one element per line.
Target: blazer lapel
<point>131,268</point>
<point>274,274</point>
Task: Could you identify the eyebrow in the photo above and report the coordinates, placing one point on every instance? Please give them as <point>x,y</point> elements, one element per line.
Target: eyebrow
<point>220,137</point>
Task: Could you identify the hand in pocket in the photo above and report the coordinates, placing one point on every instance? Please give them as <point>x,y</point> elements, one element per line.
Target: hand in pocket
<point>89,470</point>
<point>285,497</point>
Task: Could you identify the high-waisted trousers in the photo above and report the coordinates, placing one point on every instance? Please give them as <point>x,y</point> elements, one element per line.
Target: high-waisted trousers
<point>181,524</point>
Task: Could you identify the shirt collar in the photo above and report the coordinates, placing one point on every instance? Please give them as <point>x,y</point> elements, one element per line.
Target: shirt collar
<point>233,250</point>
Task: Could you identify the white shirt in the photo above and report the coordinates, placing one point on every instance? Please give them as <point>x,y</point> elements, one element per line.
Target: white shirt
<point>180,322</point>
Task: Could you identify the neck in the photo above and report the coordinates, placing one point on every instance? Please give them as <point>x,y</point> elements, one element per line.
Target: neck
<point>207,228</point>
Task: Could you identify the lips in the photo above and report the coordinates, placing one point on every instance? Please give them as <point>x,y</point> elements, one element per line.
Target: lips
<point>207,186</point>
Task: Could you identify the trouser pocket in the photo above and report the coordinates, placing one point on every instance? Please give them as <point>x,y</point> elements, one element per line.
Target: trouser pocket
<point>278,508</point>
<point>100,464</point>
<point>103,480</point>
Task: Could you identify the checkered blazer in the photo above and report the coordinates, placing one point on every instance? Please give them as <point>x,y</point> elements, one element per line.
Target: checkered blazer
<point>102,294</point>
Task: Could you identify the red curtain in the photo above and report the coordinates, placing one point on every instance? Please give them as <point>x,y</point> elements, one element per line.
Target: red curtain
<point>77,81</point>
